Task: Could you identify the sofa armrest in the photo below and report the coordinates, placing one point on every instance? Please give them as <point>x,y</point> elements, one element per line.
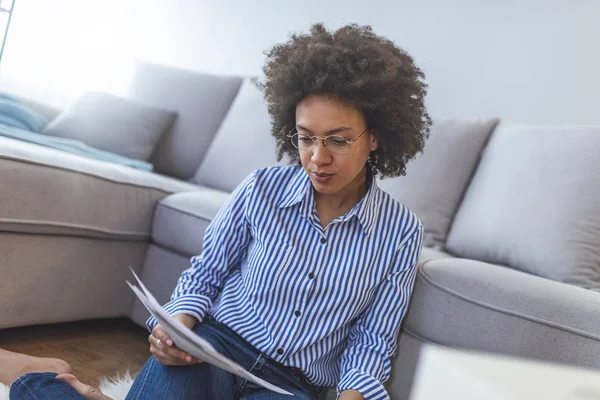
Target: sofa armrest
<point>479,306</point>
<point>180,219</point>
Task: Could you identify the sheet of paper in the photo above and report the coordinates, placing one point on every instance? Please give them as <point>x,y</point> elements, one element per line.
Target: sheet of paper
<point>191,343</point>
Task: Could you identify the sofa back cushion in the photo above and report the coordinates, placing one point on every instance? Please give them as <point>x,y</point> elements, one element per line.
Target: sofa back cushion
<point>534,204</point>
<point>436,179</point>
<point>242,144</point>
<point>200,100</point>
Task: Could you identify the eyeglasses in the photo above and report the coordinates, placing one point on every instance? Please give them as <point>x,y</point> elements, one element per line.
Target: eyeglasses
<point>334,143</point>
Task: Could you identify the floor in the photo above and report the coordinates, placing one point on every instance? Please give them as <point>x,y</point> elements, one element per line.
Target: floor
<point>93,348</point>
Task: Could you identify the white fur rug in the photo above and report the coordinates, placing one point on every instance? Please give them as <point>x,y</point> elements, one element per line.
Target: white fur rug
<point>115,387</point>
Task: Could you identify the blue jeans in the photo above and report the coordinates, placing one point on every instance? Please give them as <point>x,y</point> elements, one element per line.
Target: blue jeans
<point>194,382</point>
<point>42,386</point>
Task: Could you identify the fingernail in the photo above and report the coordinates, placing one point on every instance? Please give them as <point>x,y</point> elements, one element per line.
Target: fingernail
<point>188,359</point>
<point>169,342</point>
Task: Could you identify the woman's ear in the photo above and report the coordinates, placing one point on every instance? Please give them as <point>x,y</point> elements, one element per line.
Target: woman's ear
<point>374,141</point>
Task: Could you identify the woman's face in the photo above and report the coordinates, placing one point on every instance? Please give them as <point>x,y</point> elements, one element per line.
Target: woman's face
<point>331,173</point>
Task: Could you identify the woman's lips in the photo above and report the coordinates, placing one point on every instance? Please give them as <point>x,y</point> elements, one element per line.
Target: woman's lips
<point>322,178</point>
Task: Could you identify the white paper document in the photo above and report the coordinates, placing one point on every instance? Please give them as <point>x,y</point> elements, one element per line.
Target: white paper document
<point>188,341</point>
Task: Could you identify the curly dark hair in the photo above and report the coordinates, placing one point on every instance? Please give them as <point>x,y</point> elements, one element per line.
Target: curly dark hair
<point>360,69</point>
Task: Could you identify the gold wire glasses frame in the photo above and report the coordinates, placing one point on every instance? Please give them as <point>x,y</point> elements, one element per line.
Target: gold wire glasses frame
<point>334,143</point>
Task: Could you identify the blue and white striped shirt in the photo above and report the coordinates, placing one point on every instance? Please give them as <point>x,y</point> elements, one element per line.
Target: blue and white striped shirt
<point>327,301</point>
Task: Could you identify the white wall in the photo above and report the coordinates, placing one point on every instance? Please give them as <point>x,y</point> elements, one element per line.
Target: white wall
<point>56,49</point>
<point>534,61</point>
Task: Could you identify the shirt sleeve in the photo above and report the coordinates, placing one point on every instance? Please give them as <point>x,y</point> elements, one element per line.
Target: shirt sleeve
<point>225,242</point>
<point>365,363</point>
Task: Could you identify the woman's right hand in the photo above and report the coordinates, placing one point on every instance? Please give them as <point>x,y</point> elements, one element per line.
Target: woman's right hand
<point>163,348</point>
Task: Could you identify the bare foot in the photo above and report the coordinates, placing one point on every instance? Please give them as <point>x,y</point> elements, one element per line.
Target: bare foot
<point>13,365</point>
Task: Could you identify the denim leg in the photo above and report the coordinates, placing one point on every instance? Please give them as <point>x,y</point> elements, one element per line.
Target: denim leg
<point>281,376</point>
<point>261,366</point>
<point>42,386</point>
<point>199,381</point>
<point>203,381</point>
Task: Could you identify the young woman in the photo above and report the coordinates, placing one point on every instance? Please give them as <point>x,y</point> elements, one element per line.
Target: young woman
<point>306,273</point>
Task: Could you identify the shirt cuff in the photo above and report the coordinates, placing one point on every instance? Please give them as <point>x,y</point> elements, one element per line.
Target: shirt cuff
<point>190,304</point>
<point>367,385</point>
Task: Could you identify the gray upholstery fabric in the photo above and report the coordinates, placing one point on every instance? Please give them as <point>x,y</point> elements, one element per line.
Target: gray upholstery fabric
<point>181,219</point>
<point>201,102</point>
<point>479,306</point>
<point>243,143</point>
<point>159,274</point>
<point>534,204</point>
<point>47,191</point>
<point>113,124</point>
<point>436,180</point>
<point>428,254</point>
<point>51,279</point>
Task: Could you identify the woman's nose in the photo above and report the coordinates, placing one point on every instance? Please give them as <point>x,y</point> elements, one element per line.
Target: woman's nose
<point>321,154</point>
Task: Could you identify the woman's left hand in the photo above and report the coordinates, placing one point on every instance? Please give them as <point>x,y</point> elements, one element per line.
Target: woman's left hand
<point>87,391</point>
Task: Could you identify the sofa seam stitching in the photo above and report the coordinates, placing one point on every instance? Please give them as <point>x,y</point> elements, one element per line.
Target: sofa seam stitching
<point>417,336</point>
<point>89,174</point>
<point>73,226</point>
<point>201,217</point>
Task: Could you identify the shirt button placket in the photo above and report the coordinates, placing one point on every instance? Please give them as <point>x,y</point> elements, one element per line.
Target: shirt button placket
<point>312,274</point>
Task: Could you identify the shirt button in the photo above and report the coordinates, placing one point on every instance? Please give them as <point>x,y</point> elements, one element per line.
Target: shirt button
<point>297,313</point>
<point>323,240</point>
<point>280,351</point>
<point>311,276</point>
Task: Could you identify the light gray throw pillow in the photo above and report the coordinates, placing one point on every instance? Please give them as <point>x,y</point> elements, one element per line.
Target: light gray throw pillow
<point>242,144</point>
<point>436,179</point>
<point>113,124</point>
<point>534,204</point>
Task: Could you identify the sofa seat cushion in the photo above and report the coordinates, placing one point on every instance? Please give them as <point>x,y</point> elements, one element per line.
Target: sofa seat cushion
<point>534,204</point>
<point>181,219</point>
<point>48,191</point>
<point>475,305</point>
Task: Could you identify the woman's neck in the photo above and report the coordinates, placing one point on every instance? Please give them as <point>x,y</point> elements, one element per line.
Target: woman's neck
<point>346,198</point>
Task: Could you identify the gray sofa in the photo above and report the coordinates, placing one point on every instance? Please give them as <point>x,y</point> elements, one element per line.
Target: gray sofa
<point>511,213</point>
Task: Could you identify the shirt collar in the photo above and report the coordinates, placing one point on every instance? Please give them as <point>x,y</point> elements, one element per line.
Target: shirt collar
<point>366,210</point>
<point>296,190</point>
<point>299,190</point>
